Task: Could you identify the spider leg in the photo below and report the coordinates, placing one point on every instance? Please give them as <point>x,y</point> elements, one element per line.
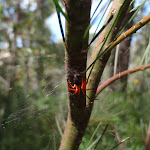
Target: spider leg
<point>77,90</point>
<point>83,86</point>
<point>74,88</point>
<point>83,91</point>
<point>69,83</point>
<point>71,89</point>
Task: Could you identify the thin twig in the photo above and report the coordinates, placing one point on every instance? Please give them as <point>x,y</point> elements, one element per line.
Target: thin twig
<point>129,32</point>
<point>147,140</point>
<point>118,76</point>
<point>118,138</point>
<point>124,35</point>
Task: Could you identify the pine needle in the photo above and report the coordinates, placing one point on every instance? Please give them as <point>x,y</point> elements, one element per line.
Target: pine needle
<point>101,136</point>
<point>59,9</point>
<point>120,143</point>
<point>96,8</point>
<point>94,133</point>
<point>102,17</point>
<point>116,59</point>
<point>92,22</point>
<point>58,126</point>
<point>104,26</point>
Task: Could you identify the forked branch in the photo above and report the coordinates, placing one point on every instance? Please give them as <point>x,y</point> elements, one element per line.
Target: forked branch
<point>129,32</point>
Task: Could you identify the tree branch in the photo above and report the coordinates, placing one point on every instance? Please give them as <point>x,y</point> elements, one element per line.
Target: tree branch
<point>118,8</point>
<point>129,32</point>
<point>118,138</point>
<point>118,76</point>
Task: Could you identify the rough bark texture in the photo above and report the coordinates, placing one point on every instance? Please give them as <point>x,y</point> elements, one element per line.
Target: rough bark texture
<point>78,12</point>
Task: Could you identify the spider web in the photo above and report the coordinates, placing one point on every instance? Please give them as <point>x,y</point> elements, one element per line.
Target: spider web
<point>44,116</point>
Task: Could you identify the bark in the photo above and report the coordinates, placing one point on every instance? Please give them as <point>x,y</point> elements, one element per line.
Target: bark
<point>123,62</point>
<point>123,59</point>
<point>76,56</point>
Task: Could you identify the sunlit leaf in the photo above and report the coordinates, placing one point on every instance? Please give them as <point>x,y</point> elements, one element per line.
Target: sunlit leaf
<point>139,6</point>
<point>59,9</point>
<point>102,17</point>
<point>104,26</point>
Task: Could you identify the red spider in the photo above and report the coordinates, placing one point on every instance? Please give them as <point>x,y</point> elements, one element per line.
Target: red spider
<point>78,83</point>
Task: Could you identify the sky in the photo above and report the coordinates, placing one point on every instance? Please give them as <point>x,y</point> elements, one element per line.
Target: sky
<point>52,21</point>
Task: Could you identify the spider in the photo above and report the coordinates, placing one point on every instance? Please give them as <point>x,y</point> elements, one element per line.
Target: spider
<point>78,84</point>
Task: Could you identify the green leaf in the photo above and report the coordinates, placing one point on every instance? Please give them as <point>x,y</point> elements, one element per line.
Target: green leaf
<point>104,26</point>
<point>96,8</point>
<point>102,17</point>
<point>93,134</point>
<point>101,136</point>
<point>131,18</point>
<point>59,9</point>
<point>139,6</point>
<point>91,24</point>
<point>61,28</point>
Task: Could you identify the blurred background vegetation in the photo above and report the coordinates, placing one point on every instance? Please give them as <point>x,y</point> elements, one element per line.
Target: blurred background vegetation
<point>33,97</point>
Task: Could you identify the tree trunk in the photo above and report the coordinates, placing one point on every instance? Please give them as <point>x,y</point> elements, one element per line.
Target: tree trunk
<point>76,56</point>
<point>123,60</point>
